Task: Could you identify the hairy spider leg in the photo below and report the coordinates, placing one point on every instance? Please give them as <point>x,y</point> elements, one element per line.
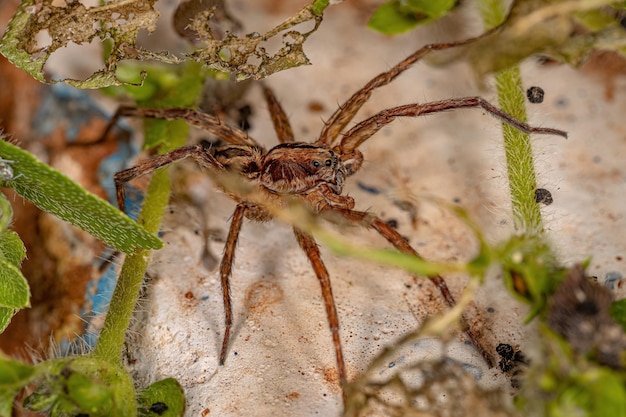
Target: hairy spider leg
<point>196,118</point>
<point>197,152</point>
<point>285,134</point>
<point>310,248</point>
<point>371,221</point>
<point>368,127</point>
<point>279,117</point>
<point>346,112</point>
<point>225,270</point>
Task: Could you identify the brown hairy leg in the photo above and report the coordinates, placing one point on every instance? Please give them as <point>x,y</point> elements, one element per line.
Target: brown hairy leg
<point>226,267</point>
<point>308,245</point>
<point>371,221</point>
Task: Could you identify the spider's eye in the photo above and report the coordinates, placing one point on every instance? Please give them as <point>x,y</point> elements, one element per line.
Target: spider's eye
<point>316,164</point>
<point>329,162</point>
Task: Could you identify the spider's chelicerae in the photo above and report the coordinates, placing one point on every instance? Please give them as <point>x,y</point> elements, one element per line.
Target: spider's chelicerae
<point>314,173</point>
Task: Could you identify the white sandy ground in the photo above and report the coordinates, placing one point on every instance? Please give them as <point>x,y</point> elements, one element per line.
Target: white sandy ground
<point>281,359</point>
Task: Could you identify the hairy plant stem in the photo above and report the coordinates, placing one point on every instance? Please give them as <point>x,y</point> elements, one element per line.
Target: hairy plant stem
<point>517,146</point>
<point>126,293</point>
<point>111,340</point>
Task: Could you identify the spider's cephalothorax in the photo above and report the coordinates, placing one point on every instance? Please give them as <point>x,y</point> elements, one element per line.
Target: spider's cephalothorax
<point>295,169</point>
<point>314,173</point>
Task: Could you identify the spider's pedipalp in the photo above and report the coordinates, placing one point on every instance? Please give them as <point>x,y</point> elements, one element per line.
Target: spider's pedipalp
<point>368,127</point>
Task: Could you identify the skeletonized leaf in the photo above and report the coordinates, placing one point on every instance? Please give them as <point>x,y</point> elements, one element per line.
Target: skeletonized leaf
<point>73,22</point>
<point>118,22</point>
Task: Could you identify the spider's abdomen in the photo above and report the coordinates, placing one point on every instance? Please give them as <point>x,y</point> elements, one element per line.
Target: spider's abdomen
<point>295,168</point>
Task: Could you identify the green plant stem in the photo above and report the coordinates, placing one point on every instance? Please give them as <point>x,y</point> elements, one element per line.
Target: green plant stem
<point>517,146</point>
<point>124,298</point>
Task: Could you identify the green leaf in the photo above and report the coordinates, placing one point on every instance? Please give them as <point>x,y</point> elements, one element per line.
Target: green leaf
<point>604,389</point>
<point>14,375</point>
<point>390,20</point>
<point>164,398</point>
<point>6,211</point>
<point>530,270</point>
<point>89,395</point>
<point>618,312</point>
<point>14,291</point>
<point>318,7</point>
<point>52,191</point>
<point>6,314</point>
<point>11,247</point>
<point>434,9</point>
<point>14,372</point>
<point>546,27</point>
<point>397,16</point>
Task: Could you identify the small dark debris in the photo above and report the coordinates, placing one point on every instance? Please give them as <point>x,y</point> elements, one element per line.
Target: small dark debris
<point>244,117</point>
<point>562,102</point>
<point>316,106</point>
<point>66,372</point>
<point>393,223</point>
<point>543,196</point>
<point>368,188</point>
<point>456,200</point>
<point>490,309</point>
<point>159,408</point>
<point>535,94</point>
<point>511,358</point>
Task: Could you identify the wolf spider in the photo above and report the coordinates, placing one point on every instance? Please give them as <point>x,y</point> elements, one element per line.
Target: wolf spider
<point>313,173</point>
